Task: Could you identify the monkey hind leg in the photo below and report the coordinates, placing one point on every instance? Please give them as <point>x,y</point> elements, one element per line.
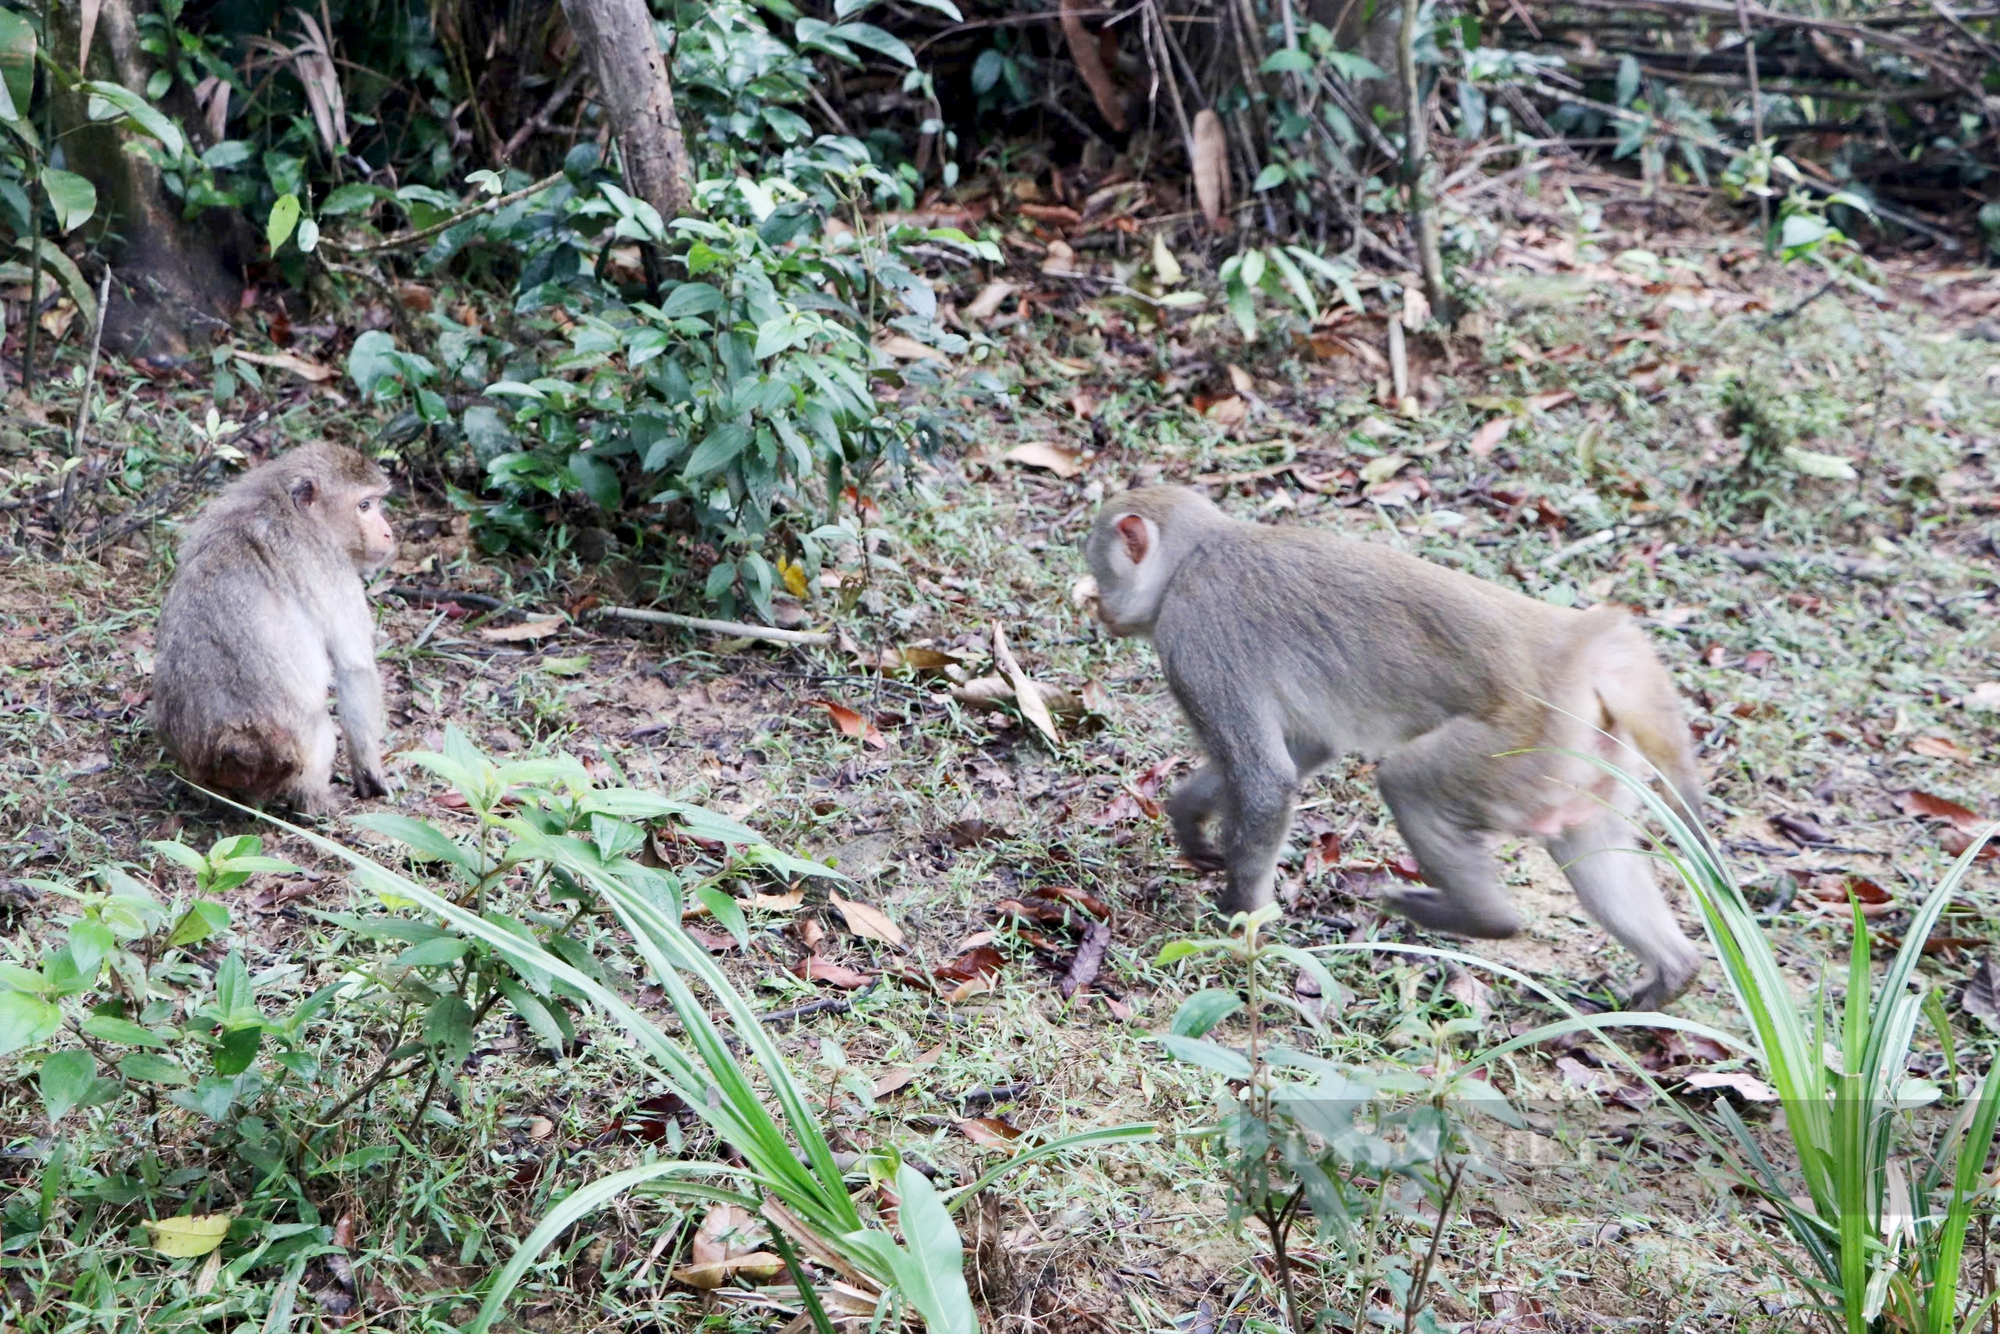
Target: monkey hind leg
<point>310,791</point>
<point>1432,786</point>
<point>1616,884</point>
<point>1194,805</point>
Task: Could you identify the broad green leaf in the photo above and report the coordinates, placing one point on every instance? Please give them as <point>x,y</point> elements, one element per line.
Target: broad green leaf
<point>1204,1010</point>
<point>726,909</point>
<point>17,65</point>
<point>203,918</point>
<point>1209,1055</point>
<point>65,1081</point>
<point>285,217</point>
<point>110,1028</point>
<point>425,842</point>
<point>433,953</point>
<point>110,101</point>
<point>1812,463</point>
<point>179,853</point>
<point>25,1020</point>
<point>89,942</point>
<point>1628,80</point>
<point>1176,950</point>
<point>690,299</point>
<point>1272,176</point>
<point>147,1068</point>
<point>373,359</point>
<point>72,197</point>
<point>352,197</point>
<point>875,39</point>
<point>66,272</point>
<point>1290,60</point>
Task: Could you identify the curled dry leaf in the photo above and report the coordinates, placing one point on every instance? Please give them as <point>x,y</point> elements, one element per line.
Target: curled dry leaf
<point>891,1080</point>
<point>852,724</point>
<point>540,627</point>
<point>991,297</point>
<point>905,348</point>
<point>1090,67</point>
<point>813,968</point>
<point>1937,808</point>
<point>991,1130</point>
<point>1938,748</point>
<point>1981,997</point>
<point>1078,898</point>
<point>1210,154</point>
<point>303,367</point>
<point>1060,260</point>
<point>979,961</point>
<point>1488,437</point>
<point>1026,693</point>
<point>1083,969</point>
<point>1083,593</point>
<point>726,1246</point>
<point>1228,411</point>
<point>867,922</point>
<point>1062,462</point>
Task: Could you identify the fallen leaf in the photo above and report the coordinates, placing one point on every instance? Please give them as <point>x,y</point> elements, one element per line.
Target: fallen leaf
<point>987,304</point>
<point>1226,411</point>
<point>1464,986</point>
<point>987,1130</point>
<point>1555,399</point>
<point>1801,830</point>
<point>1740,1082</point>
<point>189,1236</point>
<point>977,962</point>
<point>905,348</point>
<point>1955,841</point>
<point>1416,306</point>
<point>1937,748</point>
<point>1981,997</point>
<point>1985,697</point>
<point>1089,959</point>
<point>1077,898</point>
<point>725,1246</point>
<point>866,922</point>
<point>1209,153</point>
<point>541,627</point>
<point>1038,454</point>
<point>1382,469</point>
<point>1060,261</point>
<point>1055,215</point>
<point>890,1081</point>
<point>1026,694</point>
<point>814,968</point>
<point>1937,808</point>
<point>1575,1074</point>
<point>852,724</point>
<point>303,367</point>
<point>1165,267</point>
<point>778,902</point>
<point>1488,437</point>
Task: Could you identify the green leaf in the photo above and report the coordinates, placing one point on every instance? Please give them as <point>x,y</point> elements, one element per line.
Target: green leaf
<point>1208,1055</point>
<point>931,1269</point>
<point>25,1020</point>
<point>875,39</point>
<point>1812,463</point>
<point>1351,66</point>
<point>66,272</point>
<point>1176,950</point>
<point>147,1068</point>
<point>437,953</point>
<point>353,197</point>
<point>373,359</point>
<point>284,217</point>
<point>597,479</point>
<point>1628,80</point>
<point>110,101</point>
<point>110,1028</point>
<point>89,942</point>
<point>65,1081</point>
<point>1272,175</point>
<point>727,911</point>
<point>179,853</point>
<point>1291,60</point>
<point>203,918</point>
<point>718,449</point>
<point>533,1013</point>
<point>237,1050</point>
<point>17,65</point>
<point>691,299</point>
<point>72,197</point>
<point>448,1027</point>
<point>1204,1010</point>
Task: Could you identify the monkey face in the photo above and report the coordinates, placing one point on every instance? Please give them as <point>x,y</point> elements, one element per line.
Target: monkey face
<point>374,540</point>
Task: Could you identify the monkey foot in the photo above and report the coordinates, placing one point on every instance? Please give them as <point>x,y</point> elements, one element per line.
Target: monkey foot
<point>1438,912</point>
<point>1204,860</point>
<point>1657,989</point>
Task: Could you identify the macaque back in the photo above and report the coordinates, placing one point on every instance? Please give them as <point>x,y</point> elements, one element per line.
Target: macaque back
<point>266,611</point>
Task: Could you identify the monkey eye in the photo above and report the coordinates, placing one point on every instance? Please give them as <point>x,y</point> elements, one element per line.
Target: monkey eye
<point>365,505</point>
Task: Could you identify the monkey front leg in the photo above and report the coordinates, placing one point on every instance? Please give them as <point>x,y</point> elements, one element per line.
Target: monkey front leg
<point>357,684</point>
<point>1261,792</point>
<point>1194,803</point>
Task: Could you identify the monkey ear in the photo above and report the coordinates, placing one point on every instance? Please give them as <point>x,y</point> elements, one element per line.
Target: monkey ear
<point>304,492</point>
<point>1133,529</point>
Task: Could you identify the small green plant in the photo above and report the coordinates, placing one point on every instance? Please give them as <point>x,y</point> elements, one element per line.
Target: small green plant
<point>548,833</point>
<point>1882,1219</point>
<point>1304,1136</point>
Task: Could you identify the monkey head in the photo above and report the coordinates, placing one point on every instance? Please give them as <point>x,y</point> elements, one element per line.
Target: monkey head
<point>1134,548</point>
<point>340,492</point>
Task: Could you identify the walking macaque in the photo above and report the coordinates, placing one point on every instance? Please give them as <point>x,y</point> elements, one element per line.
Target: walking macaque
<point>1286,648</point>
<point>266,611</point>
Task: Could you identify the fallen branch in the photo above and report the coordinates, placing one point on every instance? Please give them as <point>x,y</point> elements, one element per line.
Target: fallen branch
<point>1854,567</point>
<point>736,629</point>
<point>432,596</point>
<point>402,239</point>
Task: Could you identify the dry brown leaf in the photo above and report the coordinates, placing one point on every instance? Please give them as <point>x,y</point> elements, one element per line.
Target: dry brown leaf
<point>1039,454</point>
<point>1938,808</point>
<point>988,1130</point>
<point>987,304</point>
<point>813,968</point>
<point>1060,259</point>
<point>1083,49</point>
<point>725,1247</point>
<point>1416,306</point>
<point>1553,399</point>
<point>1985,697</point>
<point>852,724</point>
<point>1026,693</point>
<point>866,922</point>
<point>1210,154</point>
<point>540,627</point>
<point>892,1080</point>
<point>1239,379</point>
<point>1488,437</point>
<point>303,367</point>
<point>1741,1082</point>
<point>905,348</point>
<point>1227,411</point>
<point>1938,748</point>
<point>87,26</point>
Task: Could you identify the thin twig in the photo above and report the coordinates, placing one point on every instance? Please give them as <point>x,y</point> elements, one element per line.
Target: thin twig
<point>422,596</point>
<point>736,629</point>
<point>1417,1300</point>
<point>90,368</point>
<point>402,239</point>
<point>1788,312</point>
<point>540,120</point>
<point>1756,111</point>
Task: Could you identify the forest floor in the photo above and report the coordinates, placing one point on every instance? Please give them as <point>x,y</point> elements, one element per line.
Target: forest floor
<point>1834,640</point>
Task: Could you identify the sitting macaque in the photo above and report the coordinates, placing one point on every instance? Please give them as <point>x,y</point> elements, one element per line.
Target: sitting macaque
<point>266,610</point>
<point>1287,647</point>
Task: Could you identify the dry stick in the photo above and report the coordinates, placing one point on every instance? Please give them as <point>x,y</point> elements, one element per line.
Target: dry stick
<point>1423,217</point>
<point>1756,112</point>
<point>738,629</point>
<point>426,233</point>
<point>540,120</point>
<point>1155,33</point>
<point>1957,21</point>
<point>90,369</point>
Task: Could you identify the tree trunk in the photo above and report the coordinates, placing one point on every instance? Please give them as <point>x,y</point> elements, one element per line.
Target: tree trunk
<point>175,284</point>
<point>1417,168</point>
<point>632,78</point>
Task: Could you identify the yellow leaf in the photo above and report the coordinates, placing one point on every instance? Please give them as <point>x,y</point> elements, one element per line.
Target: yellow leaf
<point>1165,267</point>
<point>866,922</point>
<point>1382,469</point>
<point>189,1236</point>
<point>540,627</point>
<point>1036,454</point>
<point>794,576</point>
<point>1027,694</point>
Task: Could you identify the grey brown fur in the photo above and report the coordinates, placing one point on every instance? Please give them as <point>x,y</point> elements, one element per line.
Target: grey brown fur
<point>267,611</point>
<point>1288,647</point>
